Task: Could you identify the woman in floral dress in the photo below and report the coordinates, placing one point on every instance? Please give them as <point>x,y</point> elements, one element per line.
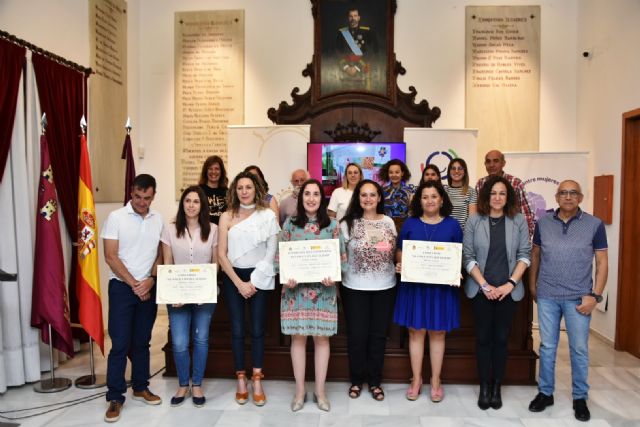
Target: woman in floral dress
<point>310,309</point>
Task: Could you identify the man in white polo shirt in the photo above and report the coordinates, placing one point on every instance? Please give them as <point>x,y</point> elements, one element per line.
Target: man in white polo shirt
<point>131,237</point>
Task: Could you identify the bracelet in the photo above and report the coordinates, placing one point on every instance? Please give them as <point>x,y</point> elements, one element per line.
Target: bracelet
<point>155,279</point>
<point>513,282</point>
<point>484,287</point>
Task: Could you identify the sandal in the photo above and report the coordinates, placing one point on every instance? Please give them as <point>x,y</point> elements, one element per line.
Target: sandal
<point>258,399</point>
<point>242,398</point>
<point>376,392</point>
<point>354,391</point>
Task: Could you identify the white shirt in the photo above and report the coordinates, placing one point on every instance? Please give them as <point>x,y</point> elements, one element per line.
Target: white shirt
<point>340,199</point>
<point>190,249</point>
<point>252,243</point>
<point>137,238</point>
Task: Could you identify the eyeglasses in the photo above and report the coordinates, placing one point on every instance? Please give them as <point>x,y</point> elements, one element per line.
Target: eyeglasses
<point>569,193</point>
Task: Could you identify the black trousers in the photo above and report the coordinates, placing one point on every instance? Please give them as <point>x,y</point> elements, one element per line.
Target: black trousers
<point>492,319</point>
<point>368,314</point>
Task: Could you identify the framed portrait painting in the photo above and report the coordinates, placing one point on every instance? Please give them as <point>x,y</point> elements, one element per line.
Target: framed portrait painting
<point>354,45</point>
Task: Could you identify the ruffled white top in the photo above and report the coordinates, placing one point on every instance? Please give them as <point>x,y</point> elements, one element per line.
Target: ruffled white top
<point>252,243</point>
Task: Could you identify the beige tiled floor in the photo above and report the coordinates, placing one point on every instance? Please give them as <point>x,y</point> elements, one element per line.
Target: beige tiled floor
<point>614,400</point>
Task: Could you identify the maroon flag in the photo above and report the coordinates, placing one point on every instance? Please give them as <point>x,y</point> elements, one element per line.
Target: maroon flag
<point>130,174</point>
<point>50,304</point>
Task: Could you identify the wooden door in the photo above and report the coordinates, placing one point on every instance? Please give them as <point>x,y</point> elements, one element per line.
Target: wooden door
<point>628,315</point>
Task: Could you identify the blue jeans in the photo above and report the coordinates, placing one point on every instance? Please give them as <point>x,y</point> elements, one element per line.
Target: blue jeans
<point>549,314</point>
<point>185,322</point>
<point>236,306</point>
<point>130,324</point>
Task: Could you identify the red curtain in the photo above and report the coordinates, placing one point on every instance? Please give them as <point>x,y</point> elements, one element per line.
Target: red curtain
<point>12,58</point>
<point>62,96</point>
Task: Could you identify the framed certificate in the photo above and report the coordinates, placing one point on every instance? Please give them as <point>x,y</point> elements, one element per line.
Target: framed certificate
<point>431,262</point>
<point>187,284</point>
<point>310,261</point>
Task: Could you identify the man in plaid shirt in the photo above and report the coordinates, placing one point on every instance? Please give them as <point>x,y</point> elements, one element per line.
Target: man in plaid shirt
<point>494,163</point>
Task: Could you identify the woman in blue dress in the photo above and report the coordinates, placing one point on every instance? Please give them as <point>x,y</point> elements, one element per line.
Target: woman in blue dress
<point>425,308</point>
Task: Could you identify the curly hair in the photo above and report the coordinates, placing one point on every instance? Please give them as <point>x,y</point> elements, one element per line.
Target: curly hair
<point>484,207</point>
<point>416,205</point>
<point>224,180</point>
<point>203,215</point>
<point>384,170</point>
<point>233,202</point>
<point>355,211</point>
<point>300,219</point>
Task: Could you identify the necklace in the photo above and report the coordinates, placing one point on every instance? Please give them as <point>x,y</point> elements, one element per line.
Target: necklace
<point>247,206</point>
<point>434,228</point>
<point>496,221</point>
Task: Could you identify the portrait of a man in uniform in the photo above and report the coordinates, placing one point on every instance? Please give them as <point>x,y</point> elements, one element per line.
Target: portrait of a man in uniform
<point>354,48</point>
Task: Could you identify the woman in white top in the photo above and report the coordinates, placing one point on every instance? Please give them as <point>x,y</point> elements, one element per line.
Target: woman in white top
<point>190,239</point>
<point>368,281</point>
<point>247,242</point>
<point>341,197</point>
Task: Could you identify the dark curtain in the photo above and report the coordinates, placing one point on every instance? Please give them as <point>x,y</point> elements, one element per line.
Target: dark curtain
<point>12,59</point>
<point>62,93</point>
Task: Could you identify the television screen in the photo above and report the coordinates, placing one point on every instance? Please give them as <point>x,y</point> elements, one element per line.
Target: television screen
<point>327,161</point>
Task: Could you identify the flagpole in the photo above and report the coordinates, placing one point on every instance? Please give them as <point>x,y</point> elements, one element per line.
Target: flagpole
<point>53,384</point>
<point>92,380</point>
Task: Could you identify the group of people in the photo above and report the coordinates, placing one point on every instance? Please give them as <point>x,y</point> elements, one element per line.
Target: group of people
<point>238,226</point>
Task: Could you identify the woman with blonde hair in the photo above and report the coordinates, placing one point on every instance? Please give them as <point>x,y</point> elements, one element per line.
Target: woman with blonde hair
<point>247,242</point>
<point>341,197</point>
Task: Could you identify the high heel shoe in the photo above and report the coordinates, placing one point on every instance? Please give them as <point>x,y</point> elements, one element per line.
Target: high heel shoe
<point>242,398</point>
<point>258,399</point>
<point>437,394</point>
<point>484,398</point>
<point>412,394</point>
<point>323,404</point>
<point>495,400</point>
<point>298,404</point>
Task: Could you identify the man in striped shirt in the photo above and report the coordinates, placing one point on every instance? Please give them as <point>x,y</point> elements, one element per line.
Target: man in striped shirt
<point>560,279</point>
<point>494,164</point>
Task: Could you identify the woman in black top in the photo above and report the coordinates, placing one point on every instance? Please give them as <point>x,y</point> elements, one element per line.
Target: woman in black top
<point>214,182</point>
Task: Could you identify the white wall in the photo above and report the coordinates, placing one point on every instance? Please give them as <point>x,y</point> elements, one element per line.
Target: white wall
<point>608,85</point>
<point>580,113</point>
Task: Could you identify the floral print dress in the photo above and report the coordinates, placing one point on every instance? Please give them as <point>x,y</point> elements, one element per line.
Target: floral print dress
<point>310,309</point>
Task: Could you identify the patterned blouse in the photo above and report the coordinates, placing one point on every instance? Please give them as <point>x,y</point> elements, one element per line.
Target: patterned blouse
<point>371,247</point>
<point>397,200</point>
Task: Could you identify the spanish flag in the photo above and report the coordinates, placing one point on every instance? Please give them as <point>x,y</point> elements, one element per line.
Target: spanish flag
<point>87,275</point>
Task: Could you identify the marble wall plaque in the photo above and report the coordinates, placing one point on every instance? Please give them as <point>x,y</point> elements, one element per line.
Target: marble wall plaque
<point>502,66</point>
<point>209,87</point>
<point>108,97</point>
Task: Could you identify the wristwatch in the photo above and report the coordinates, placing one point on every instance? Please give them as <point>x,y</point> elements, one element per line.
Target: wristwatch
<point>597,297</point>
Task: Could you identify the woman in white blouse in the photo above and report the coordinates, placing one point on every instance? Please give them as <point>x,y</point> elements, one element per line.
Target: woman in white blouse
<point>341,197</point>
<point>190,239</point>
<point>247,242</point>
